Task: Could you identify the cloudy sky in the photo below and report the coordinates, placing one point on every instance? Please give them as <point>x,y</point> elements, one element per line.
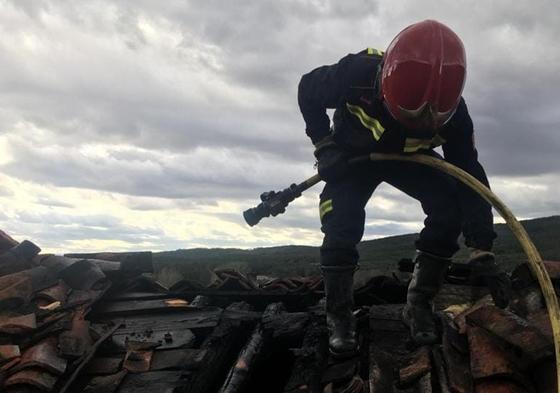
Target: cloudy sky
<point>150,125</point>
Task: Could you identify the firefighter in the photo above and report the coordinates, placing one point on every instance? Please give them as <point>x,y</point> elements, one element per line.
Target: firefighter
<point>405,100</point>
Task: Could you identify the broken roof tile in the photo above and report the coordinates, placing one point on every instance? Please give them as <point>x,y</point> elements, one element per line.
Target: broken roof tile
<point>54,293</point>
<point>18,257</point>
<point>8,352</point>
<point>491,358</point>
<point>513,329</point>
<point>6,241</point>
<point>121,261</point>
<point>38,378</point>
<point>15,291</point>
<point>77,341</point>
<point>138,361</point>
<point>18,324</point>
<point>43,355</point>
<point>82,275</point>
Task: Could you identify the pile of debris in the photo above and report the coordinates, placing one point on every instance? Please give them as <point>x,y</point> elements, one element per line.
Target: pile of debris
<point>45,337</point>
<point>100,323</point>
<point>483,348</point>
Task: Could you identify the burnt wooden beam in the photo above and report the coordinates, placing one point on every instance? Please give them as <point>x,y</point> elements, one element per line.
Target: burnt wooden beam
<point>389,346</point>
<point>240,374</point>
<point>177,359</point>
<point>135,307</point>
<point>439,368</point>
<point>261,297</point>
<point>221,347</point>
<point>310,359</point>
<point>285,325</point>
<point>455,353</point>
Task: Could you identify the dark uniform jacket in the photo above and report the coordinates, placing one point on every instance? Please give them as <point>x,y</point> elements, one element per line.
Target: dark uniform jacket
<point>362,124</point>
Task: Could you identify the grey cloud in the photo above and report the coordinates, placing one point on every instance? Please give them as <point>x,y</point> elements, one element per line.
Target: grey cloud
<point>5,192</point>
<point>152,204</point>
<point>206,174</point>
<point>223,77</point>
<point>58,231</point>
<point>53,202</point>
<point>50,218</point>
<point>129,103</point>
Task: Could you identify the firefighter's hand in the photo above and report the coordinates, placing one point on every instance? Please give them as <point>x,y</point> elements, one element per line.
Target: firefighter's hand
<point>332,161</point>
<point>485,270</point>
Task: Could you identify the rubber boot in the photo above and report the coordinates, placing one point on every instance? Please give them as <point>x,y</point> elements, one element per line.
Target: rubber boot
<point>427,279</point>
<point>341,321</point>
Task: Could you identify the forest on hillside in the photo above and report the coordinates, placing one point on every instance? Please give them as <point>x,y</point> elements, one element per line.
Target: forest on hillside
<point>380,255</point>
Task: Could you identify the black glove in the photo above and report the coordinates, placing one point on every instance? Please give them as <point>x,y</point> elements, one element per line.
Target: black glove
<point>485,270</point>
<point>332,161</point>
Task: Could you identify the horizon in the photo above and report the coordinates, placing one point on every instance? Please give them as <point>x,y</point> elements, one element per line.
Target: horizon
<point>317,246</point>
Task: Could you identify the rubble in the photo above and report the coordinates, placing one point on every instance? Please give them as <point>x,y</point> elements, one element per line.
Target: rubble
<point>100,323</point>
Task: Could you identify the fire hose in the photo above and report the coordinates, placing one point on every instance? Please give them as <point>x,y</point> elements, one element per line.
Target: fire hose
<point>275,203</point>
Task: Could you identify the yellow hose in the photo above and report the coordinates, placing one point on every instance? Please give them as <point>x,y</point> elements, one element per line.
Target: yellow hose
<point>535,260</point>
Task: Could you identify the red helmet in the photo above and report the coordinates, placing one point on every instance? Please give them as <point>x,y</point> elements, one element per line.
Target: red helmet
<point>423,75</point>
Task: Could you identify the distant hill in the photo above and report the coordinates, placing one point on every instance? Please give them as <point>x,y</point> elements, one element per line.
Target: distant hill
<point>379,254</point>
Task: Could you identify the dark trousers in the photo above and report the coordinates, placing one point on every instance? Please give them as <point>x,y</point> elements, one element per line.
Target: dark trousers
<point>342,208</point>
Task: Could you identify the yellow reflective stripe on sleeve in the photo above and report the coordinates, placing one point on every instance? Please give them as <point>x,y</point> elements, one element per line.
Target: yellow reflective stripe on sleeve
<point>325,207</point>
<point>414,144</point>
<point>373,51</point>
<point>368,122</point>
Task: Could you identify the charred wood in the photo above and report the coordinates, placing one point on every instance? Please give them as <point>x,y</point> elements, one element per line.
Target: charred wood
<point>240,373</point>
<point>456,357</point>
<point>388,345</point>
<point>310,359</point>
<point>177,359</point>
<point>221,347</point>
<point>106,383</point>
<point>439,368</point>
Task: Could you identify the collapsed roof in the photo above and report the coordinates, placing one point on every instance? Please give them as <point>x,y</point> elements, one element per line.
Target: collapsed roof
<point>102,323</point>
